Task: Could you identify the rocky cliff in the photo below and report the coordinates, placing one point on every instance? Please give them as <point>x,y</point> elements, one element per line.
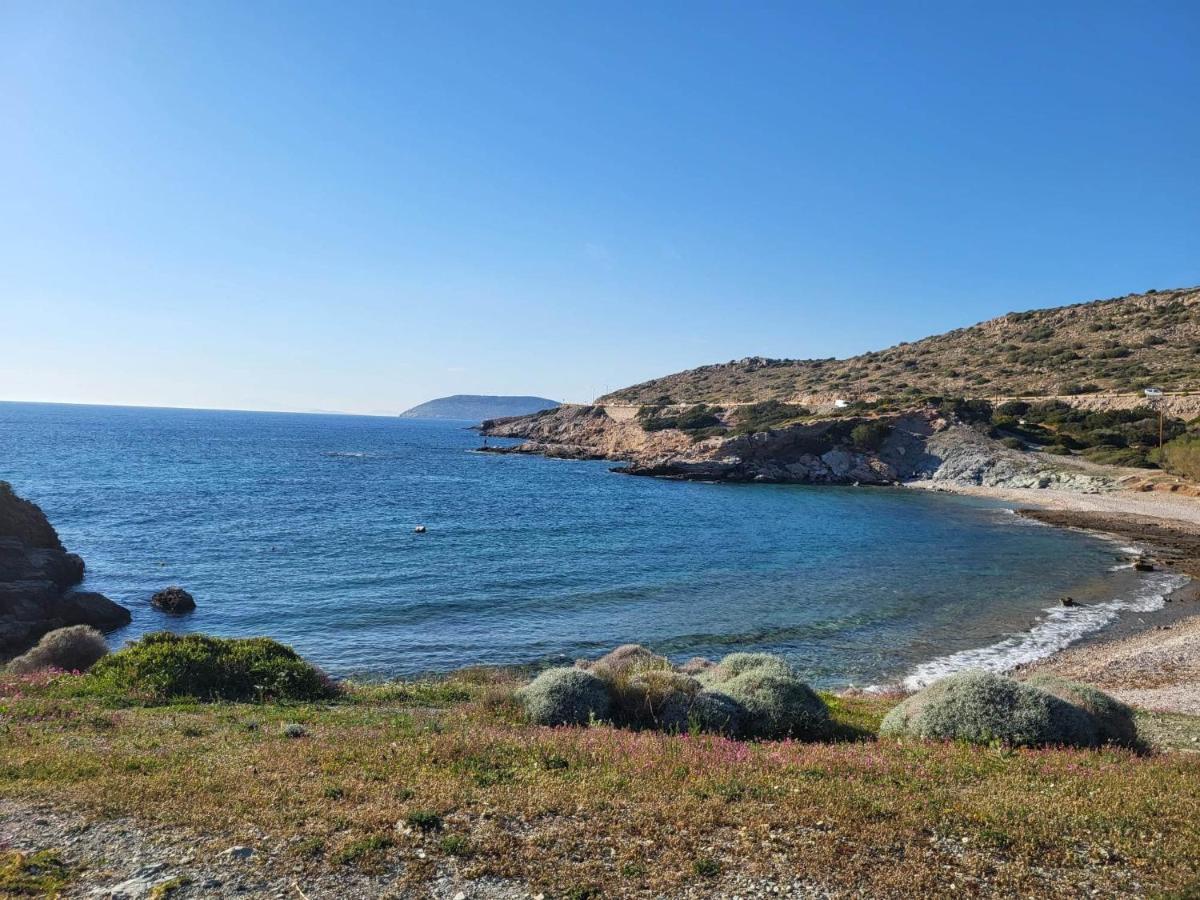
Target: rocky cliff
<point>924,445</point>
<point>38,580</point>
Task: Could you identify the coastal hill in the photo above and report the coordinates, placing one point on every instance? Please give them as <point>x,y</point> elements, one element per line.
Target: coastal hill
<point>1122,344</point>
<point>939,409</point>
<point>477,407</point>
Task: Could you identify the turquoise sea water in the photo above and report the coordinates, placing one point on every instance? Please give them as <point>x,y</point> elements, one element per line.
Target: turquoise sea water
<point>300,527</point>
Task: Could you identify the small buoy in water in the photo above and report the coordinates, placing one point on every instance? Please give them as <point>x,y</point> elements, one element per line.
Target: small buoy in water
<point>420,529</point>
<point>1067,601</point>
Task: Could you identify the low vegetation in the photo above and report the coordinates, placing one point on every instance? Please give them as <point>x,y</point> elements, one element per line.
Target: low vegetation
<point>417,777</point>
<point>983,708</point>
<point>164,666</point>
<point>745,695</point>
<point>1182,456</point>
<point>73,649</point>
<point>1123,437</point>
<point>39,874</point>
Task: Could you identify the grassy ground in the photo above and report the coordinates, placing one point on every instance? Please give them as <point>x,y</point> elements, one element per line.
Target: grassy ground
<point>423,775</point>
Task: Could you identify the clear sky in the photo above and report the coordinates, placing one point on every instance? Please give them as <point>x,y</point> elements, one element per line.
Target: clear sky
<point>358,207</point>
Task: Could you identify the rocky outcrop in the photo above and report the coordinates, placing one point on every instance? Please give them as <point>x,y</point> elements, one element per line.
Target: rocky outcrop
<point>177,601</point>
<point>38,579</point>
<point>919,446</point>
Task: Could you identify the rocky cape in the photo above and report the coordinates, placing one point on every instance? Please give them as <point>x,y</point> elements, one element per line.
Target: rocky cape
<point>920,445</point>
<point>38,580</point>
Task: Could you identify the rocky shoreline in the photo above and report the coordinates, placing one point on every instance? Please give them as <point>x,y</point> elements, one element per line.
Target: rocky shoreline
<point>39,579</point>
<point>920,445</point>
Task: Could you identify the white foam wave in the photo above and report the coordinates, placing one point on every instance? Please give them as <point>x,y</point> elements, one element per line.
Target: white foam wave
<point>351,454</point>
<point>1058,628</point>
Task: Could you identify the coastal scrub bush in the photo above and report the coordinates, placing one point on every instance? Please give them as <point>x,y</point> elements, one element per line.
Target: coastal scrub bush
<point>771,700</point>
<point>1114,720</point>
<point>716,713</point>
<point>983,708</point>
<point>627,660</point>
<point>658,698</point>
<point>776,706</point>
<point>764,416</point>
<point>565,696</point>
<point>736,664</point>
<point>870,435</point>
<point>1181,456</point>
<point>73,649</point>
<point>165,666</point>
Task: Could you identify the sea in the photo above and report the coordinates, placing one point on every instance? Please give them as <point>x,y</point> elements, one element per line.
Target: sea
<point>303,528</point>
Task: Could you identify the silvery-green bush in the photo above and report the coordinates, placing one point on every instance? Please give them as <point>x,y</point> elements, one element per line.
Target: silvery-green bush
<point>657,698</point>
<point>776,706</point>
<point>982,708</point>
<point>628,660</point>
<point>736,664</point>
<point>1114,720</point>
<point>566,696</point>
<point>717,713</point>
<point>772,701</point>
<point>73,649</point>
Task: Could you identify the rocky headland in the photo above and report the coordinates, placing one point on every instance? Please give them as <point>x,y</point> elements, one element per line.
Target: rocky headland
<point>927,445</point>
<point>39,580</point>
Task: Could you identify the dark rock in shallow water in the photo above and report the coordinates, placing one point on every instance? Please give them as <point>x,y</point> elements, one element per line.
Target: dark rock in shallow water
<point>173,600</point>
<point>90,608</point>
<point>36,578</point>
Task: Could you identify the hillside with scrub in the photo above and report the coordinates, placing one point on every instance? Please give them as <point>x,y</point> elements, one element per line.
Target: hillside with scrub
<point>1046,398</point>
<point>1117,345</point>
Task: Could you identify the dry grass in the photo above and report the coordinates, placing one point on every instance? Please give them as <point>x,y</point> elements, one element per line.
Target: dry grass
<point>628,813</point>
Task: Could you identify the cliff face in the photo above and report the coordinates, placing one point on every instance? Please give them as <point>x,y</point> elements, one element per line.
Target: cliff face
<point>913,446</point>
<point>37,580</point>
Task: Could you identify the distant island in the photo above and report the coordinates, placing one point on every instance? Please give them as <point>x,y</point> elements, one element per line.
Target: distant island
<point>477,407</point>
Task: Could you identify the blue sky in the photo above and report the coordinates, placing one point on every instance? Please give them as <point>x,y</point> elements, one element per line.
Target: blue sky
<point>360,206</point>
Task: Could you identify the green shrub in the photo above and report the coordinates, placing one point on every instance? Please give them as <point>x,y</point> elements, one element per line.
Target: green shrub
<point>717,713</point>
<point>628,660</point>
<point>692,418</point>
<point>1057,450</point>
<point>73,649</point>
<point>870,435</point>
<point>165,666</point>
<point>1181,456</point>
<point>770,701</point>
<point>565,696</point>
<point>983,708</point>
<point>1013,443</point>
<point>776,706</point>
<point>424,820</point>
<point>658,698</point>
<point>736,664</point>
<point>764,416</point>
<point>1114,720</point>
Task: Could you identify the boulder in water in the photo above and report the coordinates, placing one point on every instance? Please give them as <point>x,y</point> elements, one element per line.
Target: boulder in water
<point>173,600</point>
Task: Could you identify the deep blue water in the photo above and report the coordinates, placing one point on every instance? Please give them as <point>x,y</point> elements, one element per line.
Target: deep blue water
<point>300,527</point>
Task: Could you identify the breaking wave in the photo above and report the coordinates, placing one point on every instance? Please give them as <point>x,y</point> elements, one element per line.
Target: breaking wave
<point>1058,628</point>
